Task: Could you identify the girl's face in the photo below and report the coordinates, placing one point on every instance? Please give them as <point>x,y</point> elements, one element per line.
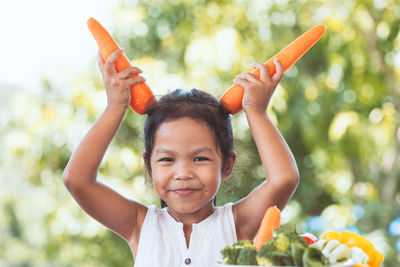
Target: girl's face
<point>186,166</point>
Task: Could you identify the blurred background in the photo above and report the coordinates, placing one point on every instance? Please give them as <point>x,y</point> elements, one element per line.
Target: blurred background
<point>337,107</point>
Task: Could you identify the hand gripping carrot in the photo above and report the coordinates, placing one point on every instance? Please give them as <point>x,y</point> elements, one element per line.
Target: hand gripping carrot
<point>141,94</point>
<point>232,98</point>
<point>270,221</point>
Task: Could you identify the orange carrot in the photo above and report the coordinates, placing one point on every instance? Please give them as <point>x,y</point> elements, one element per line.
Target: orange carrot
<point>141,94</point>
<point>270,221</point>
<point>232,98</point>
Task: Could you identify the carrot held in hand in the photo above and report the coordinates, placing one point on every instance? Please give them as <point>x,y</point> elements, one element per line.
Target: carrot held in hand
<point>232,98</point>
<point>141,94</point>
<point>270,221</point>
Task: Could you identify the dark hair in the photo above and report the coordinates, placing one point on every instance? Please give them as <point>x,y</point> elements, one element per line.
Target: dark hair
<point>195,104</point>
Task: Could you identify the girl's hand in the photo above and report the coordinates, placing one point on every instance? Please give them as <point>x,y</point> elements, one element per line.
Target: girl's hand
<point>258,92</point>
<point>118,84</point>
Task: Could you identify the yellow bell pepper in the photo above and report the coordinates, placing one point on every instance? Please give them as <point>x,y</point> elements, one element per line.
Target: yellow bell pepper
<point>354,240</point>
<point>332,236</point>
<point>378,260</point>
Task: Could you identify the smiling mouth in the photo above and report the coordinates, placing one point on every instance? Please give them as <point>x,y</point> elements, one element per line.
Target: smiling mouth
<point>185,191</point>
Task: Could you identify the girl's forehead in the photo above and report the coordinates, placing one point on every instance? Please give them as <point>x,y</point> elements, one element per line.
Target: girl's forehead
<point>183,124</point>
<point>184,132</point>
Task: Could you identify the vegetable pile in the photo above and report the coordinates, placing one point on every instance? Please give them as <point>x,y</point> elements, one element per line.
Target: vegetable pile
<point>284,247</point>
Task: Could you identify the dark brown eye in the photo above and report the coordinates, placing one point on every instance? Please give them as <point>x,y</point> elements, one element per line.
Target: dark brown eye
<point>167,159</point>
<point>201,159</point>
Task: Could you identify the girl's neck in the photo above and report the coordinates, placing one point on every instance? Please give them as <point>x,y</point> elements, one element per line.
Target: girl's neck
<point>191,218</point>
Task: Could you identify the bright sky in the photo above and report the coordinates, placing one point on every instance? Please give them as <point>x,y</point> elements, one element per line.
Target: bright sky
<point>47,37</point>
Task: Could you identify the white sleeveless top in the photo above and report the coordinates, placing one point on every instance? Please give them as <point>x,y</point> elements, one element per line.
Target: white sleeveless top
<point>162,240</point>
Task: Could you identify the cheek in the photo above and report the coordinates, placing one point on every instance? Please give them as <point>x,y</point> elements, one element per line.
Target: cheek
<point>158,177</point>
<point>213,178</point>
<point>160,186</point>
<point>161,178</point>
<point>215,184</point>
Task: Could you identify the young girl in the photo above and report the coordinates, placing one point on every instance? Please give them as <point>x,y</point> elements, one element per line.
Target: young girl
<point>188,151</point>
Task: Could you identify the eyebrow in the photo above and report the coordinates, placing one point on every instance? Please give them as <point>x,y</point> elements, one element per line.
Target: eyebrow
<point>201,149</point>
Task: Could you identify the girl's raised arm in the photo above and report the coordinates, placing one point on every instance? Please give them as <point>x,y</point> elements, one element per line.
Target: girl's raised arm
<point>121,215</point>
<point>278,161</point>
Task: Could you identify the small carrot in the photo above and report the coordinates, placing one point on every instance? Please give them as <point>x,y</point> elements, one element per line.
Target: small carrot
<point>270,221</point>
<point>232,98</point>
<point>141,94</point>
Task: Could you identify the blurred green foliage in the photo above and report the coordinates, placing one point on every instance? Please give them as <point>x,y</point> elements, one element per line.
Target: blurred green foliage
<point>337,107</point>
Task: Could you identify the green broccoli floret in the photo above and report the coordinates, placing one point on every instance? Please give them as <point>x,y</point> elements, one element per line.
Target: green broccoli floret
<point>243,243</point>
<point>247,256</point>
<point>287,237</point>
<point>269,255</point>
<point>268,247</point>
<point>231,253</point>
<point>266,261</point>
<point>281,241</point>
<point>282,244</point>
<point>284,248</point>
<point>266,257</point>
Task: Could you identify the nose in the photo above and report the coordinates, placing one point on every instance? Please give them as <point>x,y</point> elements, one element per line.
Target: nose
<point>183,171</point>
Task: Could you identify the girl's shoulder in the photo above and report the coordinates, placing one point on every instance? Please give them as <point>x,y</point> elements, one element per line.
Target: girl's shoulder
<point>227,207</point>
<point>224,213</point>
<point>155,213</point>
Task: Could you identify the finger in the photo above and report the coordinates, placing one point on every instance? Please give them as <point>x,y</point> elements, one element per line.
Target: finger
<point>264,72</point>
<point>276,78</point>
<point>126,73</point>
<point>110,62</point>
<point>247,76</point>
<point>100,58</point>
<point>242,82</point>
<point>135,79</point>
<point>101,61</point>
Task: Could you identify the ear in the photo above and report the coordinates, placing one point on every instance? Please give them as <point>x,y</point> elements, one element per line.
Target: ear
<point>230,162</point>
<point>147,163</point>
